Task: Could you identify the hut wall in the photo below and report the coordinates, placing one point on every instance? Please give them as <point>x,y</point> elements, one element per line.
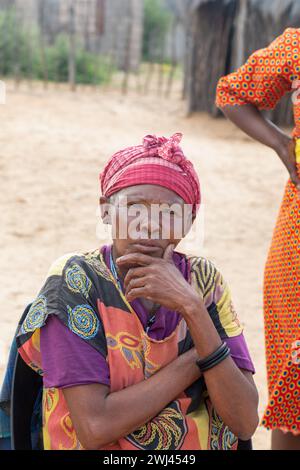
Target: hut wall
<point>222,34</point>
<point>209,44</point>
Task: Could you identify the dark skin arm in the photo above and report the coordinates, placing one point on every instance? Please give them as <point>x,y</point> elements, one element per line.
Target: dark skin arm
<point>250,120</point>
<point>101,418</point>
<point>158,280</point>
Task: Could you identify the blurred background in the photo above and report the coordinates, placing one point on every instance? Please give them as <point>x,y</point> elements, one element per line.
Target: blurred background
<point>149,43</point>
<point>84,78</point>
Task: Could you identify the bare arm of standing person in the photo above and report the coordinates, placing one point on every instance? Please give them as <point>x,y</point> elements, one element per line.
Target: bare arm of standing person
<point>250,120</point>
<point>259,84</point>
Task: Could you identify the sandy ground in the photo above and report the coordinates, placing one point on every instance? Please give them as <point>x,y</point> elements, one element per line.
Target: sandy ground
<point>52,147</point>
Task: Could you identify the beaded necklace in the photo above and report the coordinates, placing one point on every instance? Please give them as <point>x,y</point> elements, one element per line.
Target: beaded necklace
<point>114,271</point>
<point>152,315</point>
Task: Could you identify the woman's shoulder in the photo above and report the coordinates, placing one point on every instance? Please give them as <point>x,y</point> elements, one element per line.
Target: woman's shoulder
<point>284,42</point>
<point>291,31</point>
<point>201,263</point>
<point>90,262</point>
<point>204,273</point>
<point>287,37</point>
<point>59,264</point>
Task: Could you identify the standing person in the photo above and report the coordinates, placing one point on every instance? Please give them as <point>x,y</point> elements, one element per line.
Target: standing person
<point>259,84</point>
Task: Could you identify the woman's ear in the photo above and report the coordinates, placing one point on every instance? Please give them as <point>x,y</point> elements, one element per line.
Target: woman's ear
<point>105,208</point>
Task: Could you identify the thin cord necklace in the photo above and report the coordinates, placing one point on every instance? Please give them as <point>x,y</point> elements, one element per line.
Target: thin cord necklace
<point>114,271</point>
<point>152,313</point>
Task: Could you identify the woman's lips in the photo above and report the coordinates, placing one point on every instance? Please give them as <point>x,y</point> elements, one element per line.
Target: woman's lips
<point>146,246</point>
<point>151,243</point>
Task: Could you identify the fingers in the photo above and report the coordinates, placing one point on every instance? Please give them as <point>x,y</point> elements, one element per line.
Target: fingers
<point>137,293</point>
<point>289,159</point>
<point>144,249</point>
<point>132,273</point>
<point>296,183</point>
<point>295,178</point>
<point>168,254</point>
<point>135,283</point>
<point>134,259</point>
<point>147,250</point>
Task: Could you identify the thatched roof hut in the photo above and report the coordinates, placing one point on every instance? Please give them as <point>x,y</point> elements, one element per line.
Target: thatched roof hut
<point>222,34</point>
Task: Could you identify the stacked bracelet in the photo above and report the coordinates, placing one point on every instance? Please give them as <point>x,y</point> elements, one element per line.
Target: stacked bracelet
<point>213,359</point>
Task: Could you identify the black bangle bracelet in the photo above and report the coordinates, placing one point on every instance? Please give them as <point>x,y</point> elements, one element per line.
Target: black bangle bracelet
<point>218,352</point>
<point>214,359</point>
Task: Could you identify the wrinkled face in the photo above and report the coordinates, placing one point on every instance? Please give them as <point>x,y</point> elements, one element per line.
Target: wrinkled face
<point>146,215</point>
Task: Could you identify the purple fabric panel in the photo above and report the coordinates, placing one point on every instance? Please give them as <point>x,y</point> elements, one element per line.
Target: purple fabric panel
<point>68,360</point>
<point>240,353</point>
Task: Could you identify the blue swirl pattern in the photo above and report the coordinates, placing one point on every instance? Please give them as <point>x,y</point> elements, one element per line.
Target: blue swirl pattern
<point>36,316</point>
<point>83,321</point>
<point>77,280</point>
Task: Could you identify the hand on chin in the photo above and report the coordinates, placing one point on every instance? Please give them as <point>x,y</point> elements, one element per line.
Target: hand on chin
<point>136,247</point>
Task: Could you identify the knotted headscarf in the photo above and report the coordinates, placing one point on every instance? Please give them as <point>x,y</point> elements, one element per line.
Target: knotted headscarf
<point>159,161</point>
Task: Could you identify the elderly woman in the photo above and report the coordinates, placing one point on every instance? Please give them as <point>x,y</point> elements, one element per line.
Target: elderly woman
<point>259,84</point>
<point>139,346</point>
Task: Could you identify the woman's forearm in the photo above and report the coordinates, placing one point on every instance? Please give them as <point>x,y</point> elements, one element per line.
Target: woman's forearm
<point>250,120</point>
<point>126,410</point>
<point>232,394</point>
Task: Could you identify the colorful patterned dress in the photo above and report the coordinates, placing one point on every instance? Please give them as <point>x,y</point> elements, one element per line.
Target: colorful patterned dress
<point>81,293</point>
<point>268,74</point>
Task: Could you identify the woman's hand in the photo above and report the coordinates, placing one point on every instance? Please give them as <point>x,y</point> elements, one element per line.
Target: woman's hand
<point>157,279</point>
<point>285,149</point>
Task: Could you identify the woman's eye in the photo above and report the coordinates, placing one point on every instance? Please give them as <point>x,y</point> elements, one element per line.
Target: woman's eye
<point>136,207</point>
<point>171,213</point>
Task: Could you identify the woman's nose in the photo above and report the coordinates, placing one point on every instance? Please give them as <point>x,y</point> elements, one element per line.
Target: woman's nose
<point>150,227</point>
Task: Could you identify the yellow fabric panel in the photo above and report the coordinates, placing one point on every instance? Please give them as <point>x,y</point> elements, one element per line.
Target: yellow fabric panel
<point>201,418</point>
<point>36,340</point>
<point>227,314</point>
<point>50,402</point>
<point>57,267</point>
<point>298,150</point>
<point>211,285</point>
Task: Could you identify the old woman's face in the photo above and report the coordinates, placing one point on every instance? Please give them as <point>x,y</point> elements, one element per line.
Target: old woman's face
<point>146,218</point>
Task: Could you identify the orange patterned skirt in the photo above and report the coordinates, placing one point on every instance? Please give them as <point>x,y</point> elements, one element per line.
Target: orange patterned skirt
<point>282,316</point>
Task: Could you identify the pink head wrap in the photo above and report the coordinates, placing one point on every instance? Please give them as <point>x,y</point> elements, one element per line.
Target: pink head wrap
<point>157,161</point>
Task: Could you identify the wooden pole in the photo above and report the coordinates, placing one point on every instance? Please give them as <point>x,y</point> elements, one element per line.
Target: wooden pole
<point>17,25</point>
<point>151,63</point>
<point>173,58</point>
<point>128,51</point>
<point>72,50</point>
<point>160,78</point>
<point>42,43</point>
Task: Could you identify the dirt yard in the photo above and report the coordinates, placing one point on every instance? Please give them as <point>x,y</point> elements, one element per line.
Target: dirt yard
<point>53,145</point>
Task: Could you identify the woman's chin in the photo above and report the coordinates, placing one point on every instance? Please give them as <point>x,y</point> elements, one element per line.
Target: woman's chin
<point>147,249</point>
